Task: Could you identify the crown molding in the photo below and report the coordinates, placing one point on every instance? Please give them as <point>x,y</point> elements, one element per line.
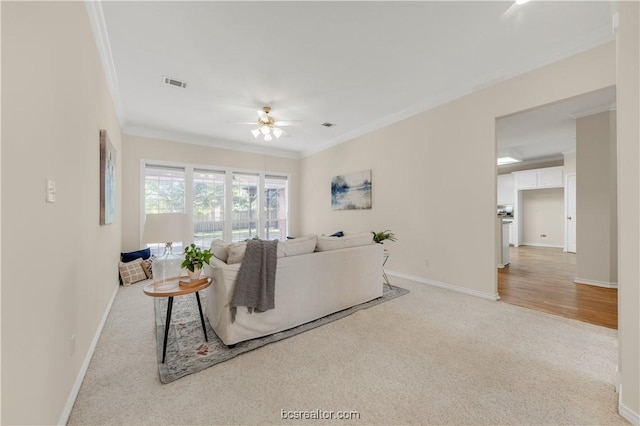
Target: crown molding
<point>101,37</point>
<point>593,111</point>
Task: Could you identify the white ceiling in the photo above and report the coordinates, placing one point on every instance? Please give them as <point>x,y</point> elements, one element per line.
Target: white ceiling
<point>360,65</point>
<point>547,132</point>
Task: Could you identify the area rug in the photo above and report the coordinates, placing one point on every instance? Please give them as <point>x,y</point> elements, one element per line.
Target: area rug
<point>188,353</point>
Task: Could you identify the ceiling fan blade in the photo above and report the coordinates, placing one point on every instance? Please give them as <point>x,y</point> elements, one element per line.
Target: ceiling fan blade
<point>253,123</point>
<point>263,116</point>
<point>288,123</point>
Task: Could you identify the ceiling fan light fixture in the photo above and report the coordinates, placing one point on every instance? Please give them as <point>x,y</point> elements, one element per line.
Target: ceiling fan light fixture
<point>277,132</point>
<point>268,138</point>
<point>255,132</point>
<point>265,130</point>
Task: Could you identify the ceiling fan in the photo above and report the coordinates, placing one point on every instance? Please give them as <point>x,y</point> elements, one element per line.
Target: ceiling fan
<point>268,125</point>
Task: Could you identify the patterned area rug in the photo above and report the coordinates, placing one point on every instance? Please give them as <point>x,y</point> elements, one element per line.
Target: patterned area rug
<point>188,353</point>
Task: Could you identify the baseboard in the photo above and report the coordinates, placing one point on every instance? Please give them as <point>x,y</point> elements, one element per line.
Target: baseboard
<point>627,413</point>
<point>542,245</point>
<point>453,287</point>
<point>64,418</point>
<point>595,283</point>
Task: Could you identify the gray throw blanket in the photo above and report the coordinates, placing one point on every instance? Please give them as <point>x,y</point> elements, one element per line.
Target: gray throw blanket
<point>256,281</point>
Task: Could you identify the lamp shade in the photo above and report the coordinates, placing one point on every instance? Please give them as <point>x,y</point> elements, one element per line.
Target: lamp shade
<point>167,228</point>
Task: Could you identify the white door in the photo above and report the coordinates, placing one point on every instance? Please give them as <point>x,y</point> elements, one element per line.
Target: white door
<point>570,191</point>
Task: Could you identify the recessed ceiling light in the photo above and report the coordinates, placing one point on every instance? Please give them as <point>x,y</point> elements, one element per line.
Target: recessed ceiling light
<point>507,160</point>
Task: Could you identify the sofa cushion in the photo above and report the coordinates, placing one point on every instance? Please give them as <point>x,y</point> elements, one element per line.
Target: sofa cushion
<point>349,240</point>
<point>133,255</point>
<point>132,272</point>
<point>220,249</point>
<point>297,246</point>
<point>236,252</point>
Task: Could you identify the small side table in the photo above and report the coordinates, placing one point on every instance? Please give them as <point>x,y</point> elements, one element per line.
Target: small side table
<point>172,292</point>
<point>385,257</point>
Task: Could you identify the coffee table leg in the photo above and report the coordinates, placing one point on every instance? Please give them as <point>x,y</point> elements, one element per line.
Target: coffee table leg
<point>166,328</point>
<point>201,317</point>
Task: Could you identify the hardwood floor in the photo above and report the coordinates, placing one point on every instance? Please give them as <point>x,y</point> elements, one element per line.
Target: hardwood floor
<point>541,278</point>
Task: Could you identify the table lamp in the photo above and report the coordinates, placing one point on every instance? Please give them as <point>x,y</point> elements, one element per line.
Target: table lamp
<point>167,228</point>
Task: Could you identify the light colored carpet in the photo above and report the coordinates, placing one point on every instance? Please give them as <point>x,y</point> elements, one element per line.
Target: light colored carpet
<point>188,353</point>
<point>431,357</point>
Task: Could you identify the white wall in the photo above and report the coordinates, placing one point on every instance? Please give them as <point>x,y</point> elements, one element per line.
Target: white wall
<point>543,213</point>
<point>136,148</point>
<point>596,224</point>
<point>434,174</point>
<point>628,134</point>
<point>59,266</point>
<point>570,162</point>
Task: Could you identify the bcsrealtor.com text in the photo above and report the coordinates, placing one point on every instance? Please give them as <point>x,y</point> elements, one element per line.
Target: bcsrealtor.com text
<point>319,415</point>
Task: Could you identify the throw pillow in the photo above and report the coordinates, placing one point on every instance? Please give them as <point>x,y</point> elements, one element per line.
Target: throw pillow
<point>236,252</point>
<point>147,266</point>
<point>351,240</point>
<point>132,272</point>
<point>297,246</point>
<point>133,255</point>
<point>220,249</point>
<point>337,234</point>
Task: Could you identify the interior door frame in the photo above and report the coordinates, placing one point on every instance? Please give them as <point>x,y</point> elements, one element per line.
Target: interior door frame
<point>566,211</point>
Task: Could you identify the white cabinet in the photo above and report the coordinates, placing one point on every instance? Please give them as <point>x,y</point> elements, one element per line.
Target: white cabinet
<point>550,177</point>
<point>512,240</point>
<point>505,189</point>
<point>526,180</point>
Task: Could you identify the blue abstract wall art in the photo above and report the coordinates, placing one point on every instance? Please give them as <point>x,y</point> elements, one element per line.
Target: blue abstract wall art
<point>351,191</point>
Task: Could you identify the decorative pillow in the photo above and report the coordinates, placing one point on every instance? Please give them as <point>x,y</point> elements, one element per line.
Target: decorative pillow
<point>133,255</point>
<point>132,272</point>
<point>220,249</point>
<point>146,266</point>
<point>349,240</point>
<point>337,234</point>
<point>297,246</point>
<point>236,252</point>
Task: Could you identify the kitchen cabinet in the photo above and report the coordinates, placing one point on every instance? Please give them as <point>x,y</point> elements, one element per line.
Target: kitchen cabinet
<point>550,177</point>
<point>505,189</point>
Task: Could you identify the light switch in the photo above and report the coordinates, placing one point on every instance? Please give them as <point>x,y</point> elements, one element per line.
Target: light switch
<point>51,191</point>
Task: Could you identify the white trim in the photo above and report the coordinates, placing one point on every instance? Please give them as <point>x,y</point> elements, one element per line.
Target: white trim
<point>626,412</point>
<point>101,36</point>
<point>595,283</point>
<point>66,412</point>
<point>542,245</point>
<point>618,380</point>
<point>453,287</point>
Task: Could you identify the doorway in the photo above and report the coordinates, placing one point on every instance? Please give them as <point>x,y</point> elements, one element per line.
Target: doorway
<point>542,272</point>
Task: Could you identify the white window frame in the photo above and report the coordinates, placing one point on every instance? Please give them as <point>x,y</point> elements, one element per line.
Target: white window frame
<point>228,200</point>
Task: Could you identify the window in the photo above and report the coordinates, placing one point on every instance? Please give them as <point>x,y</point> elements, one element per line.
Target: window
<point>275,206</point>
<point>233,205</point>
<point>208,207</point>
<point>244,214</point>
<point>164,192</point>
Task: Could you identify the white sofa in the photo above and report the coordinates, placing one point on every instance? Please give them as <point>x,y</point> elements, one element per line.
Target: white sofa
<point>308,287</point>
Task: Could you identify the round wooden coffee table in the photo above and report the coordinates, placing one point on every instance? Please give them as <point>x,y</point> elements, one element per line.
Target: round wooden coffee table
<point>173,291</point>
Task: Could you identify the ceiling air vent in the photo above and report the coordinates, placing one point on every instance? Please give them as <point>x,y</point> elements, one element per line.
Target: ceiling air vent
<point>327,124</point>
<point>174,82</point>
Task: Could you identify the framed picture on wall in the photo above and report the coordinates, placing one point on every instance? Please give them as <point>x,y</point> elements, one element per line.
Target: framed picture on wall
<point>107,180</point>
<point>351,191</point>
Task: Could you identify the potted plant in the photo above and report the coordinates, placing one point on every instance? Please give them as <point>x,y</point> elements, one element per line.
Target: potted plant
<point>379,237</point>
<point>194,258</point>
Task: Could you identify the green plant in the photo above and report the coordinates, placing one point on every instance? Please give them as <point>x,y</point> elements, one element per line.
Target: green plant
<point>195,257</point>
<point>379,237</point>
